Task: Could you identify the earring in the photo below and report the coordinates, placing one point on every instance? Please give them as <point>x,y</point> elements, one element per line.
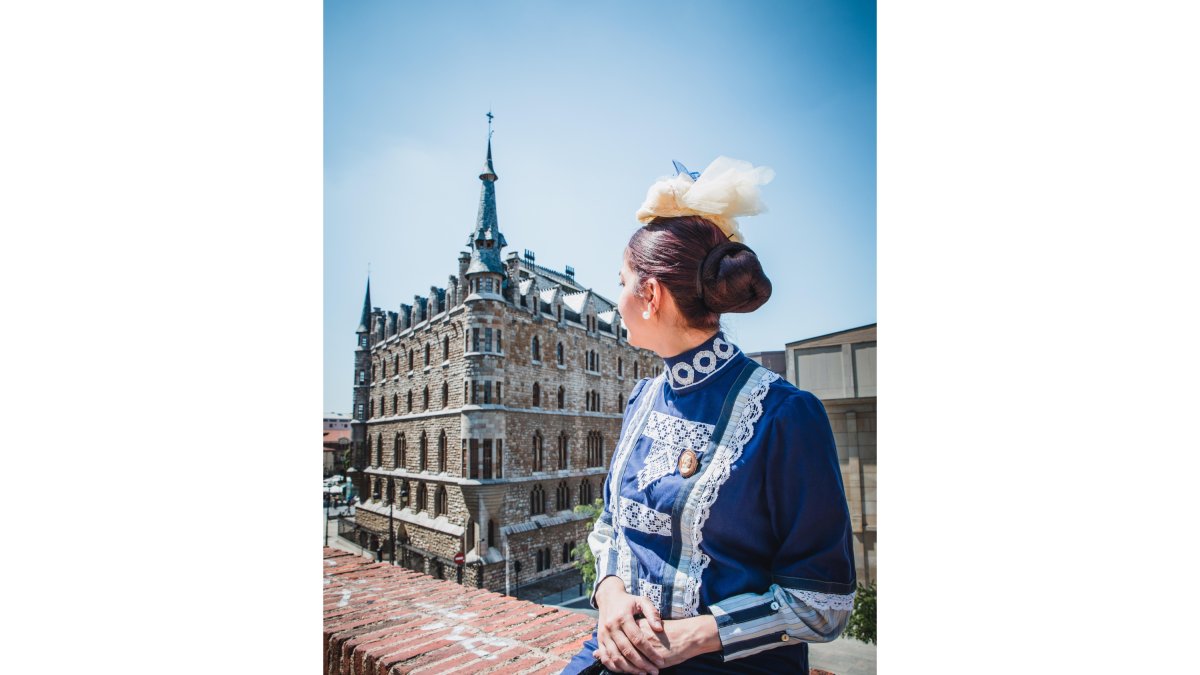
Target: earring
<point>646,314</point>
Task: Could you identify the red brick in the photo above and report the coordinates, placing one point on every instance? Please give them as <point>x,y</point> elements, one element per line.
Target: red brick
<point>551,668</point>
<point>445,665</point>
<point>491,661</point>
<point>382,663</point>
<point>515,630</point>
<point>546,640</point>
<point>518,666</point>
<point>397,642</point>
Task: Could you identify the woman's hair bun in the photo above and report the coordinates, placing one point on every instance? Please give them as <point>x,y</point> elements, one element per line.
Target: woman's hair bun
<point>732,280</point>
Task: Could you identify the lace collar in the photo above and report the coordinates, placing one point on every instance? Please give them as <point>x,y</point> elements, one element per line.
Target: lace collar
<point>699,364</point>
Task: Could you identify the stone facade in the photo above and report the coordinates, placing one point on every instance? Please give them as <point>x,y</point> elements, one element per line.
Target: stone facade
<point>487,410</point>
<point>840,369</point>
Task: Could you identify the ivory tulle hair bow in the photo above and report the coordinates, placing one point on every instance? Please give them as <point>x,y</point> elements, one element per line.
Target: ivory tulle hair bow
<point>725,189</point>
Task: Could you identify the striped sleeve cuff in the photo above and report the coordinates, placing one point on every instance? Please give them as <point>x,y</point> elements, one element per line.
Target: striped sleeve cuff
<point>751,623</point>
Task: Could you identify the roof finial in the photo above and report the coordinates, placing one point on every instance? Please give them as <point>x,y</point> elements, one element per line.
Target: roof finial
<point>490,116</point>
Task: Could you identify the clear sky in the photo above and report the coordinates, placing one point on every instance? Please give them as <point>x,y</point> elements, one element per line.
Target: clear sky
<point>592,101</point>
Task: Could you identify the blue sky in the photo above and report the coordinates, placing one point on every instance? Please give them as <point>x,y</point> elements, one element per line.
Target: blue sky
<point>592,102</point>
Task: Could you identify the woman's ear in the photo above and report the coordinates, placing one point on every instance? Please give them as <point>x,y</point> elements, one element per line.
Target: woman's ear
<point>652,294</point>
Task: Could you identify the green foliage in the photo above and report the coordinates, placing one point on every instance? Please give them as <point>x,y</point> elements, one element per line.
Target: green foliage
<point>862,619</point>
<point>584,561</point>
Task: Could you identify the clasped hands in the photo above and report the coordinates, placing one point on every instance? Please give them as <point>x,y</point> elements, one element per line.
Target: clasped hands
<point>633,638</point>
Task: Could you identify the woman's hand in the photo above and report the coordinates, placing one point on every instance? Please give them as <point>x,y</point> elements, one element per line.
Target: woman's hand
<point>624,645</point>
<point>681,639</point>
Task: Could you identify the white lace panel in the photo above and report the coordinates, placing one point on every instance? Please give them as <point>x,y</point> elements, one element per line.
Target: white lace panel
<point>628,440</point>
<point>672,435</point>
<point>693,561</point>
<point>644,519</point>
<point>824,600</point>
<point>652,591</point>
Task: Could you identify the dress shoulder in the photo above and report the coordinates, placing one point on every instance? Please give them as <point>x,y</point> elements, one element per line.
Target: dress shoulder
<point>795,418</point>
<point>637,390</point>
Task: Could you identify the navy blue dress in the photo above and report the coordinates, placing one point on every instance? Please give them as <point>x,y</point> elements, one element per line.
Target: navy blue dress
<point>753,529</point>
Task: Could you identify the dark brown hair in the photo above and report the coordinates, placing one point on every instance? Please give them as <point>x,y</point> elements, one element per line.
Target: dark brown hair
<point>672,250</point>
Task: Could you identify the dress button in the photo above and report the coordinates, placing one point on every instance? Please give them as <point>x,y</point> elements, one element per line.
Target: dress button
<point>774,606</point>
<point>785,637</point>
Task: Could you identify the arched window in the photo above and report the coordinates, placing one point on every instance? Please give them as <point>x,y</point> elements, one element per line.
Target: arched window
<point>379,450</point>
<point>410,359</point>
<point>491,533</point>
<point>423,458</point>
<point>538,459</point>
<point>396,363</point>
<point>425,398</point>
<point>563,440</point>
<point>537,501</point>
<point>396,403</point>
<point>439,501</point>
<point>537,395</point>
<point>383,368</point>
<point>445,347</point>
<point>421,497</point>
<point>620,367</point>
<point>559,354</point>
<point>410,400</point>
<point>391,491</point>
<point>376,487</point>
<point>562,397</point>
<point>403,451</point>
<point>427,353</point>
<point>566,551</point>
<point>372,408</point>
<point>397,462</point>
<point>562,497</point>
<point>536,349</point>
<point>620,402</point>
<point>445,394</point>
<point>441,456</point>
<point>585,491</point>
<point>595,449</point>
<point>541,561</point>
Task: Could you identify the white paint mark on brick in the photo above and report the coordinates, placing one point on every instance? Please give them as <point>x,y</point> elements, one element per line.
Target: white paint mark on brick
<point>433,626</point>
<point>346,593</point>
<point>476,644</point>
<point>447,612</point>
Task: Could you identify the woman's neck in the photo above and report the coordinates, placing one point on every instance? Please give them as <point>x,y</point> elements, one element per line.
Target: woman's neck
<point>678,342</point>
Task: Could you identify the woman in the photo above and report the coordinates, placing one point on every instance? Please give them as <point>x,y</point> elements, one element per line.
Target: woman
<point>724,544</point>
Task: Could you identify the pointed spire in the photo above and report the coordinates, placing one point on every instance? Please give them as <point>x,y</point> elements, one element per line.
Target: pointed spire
<point>487,240</point>
<point>489,172</point>
<point>364,324</point>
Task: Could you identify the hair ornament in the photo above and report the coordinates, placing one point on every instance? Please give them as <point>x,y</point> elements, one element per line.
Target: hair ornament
<point>725,189</point>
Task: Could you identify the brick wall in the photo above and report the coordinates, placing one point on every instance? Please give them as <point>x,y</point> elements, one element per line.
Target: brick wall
<point>383,620</point>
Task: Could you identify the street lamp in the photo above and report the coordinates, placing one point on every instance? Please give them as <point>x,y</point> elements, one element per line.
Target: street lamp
<point>392,528</point>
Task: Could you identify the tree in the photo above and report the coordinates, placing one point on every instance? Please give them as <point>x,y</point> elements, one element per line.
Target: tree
<point>862,619</point>
<point>584,561</point>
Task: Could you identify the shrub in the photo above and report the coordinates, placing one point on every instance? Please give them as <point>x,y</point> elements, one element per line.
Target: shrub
<point>862,619</point>
<point>584,561</point>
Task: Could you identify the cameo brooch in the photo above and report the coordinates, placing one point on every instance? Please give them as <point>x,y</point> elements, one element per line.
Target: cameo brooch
<point>688,463</point>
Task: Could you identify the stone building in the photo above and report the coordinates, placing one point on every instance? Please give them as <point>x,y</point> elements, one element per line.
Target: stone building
<point>485,410</point>
<point>839,368</point>
<point>336,439</point>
